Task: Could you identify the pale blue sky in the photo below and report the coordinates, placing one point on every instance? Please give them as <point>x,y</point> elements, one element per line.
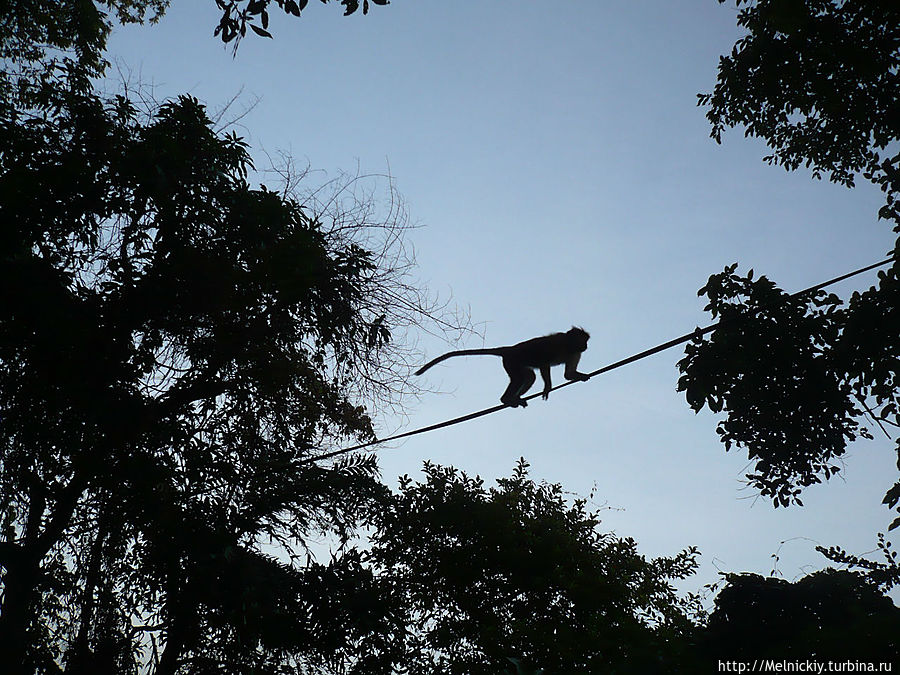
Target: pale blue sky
<point>564,175</point>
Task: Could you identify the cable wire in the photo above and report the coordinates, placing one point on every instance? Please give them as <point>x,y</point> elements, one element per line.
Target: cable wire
<point>698,332</point>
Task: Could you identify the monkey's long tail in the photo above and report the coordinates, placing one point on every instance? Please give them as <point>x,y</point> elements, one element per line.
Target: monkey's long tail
<point>496,351</point>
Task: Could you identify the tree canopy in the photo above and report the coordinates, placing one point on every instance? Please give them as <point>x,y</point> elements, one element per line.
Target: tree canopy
<point>515,574</point>
<point>829,615</point>
<point>819,81</point>
<point>167,336</point>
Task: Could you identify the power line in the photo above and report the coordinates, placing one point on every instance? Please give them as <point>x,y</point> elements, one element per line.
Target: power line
<point>618,364</point>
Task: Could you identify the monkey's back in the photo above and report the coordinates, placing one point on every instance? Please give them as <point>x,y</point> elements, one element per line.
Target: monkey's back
<point>547,350</point>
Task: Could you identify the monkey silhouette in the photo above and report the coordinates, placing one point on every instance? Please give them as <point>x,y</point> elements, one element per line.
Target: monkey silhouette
<point>520,361</point>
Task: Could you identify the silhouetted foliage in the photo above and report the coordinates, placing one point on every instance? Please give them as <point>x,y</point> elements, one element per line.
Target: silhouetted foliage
<point>776,365</point>
<point>44,43</point>
<point>174,346</point>
<point>32,28</point>
<point>819,81</point>
<point>827,616</point>
<point>516,575</point>
<point>238,15</point>
<point>166,338</point>
<point>795,376</point>
<point>41,36</point>
<point>885,575</point>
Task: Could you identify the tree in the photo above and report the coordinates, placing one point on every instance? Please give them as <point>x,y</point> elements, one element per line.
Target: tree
<point>165,343</point>
<point>516,575</point>
<point>818,80</point>
<point>829,615</point>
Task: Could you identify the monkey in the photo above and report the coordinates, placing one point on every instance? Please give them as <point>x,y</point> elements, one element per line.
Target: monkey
<point>521,359</point>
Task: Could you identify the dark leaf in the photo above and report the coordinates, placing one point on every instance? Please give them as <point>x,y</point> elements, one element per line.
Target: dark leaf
<point>892,496</point>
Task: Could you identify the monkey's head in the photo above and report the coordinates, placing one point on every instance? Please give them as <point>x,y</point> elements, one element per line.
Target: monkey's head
<point>578,338</point>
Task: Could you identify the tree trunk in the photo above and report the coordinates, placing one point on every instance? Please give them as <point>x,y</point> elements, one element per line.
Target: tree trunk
<point>17,612</point>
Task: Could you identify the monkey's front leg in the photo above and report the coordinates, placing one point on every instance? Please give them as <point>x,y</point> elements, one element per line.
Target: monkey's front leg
<point>572,369</point>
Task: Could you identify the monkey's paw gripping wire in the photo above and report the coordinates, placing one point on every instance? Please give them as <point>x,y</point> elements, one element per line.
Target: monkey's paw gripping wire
<point>612,366</point>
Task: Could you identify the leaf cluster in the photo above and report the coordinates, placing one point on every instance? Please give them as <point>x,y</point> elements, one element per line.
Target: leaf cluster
<point>239,15</point>
<point>818,81</point>
<point>768,367</point>
<point>794,376</point>
<point>885,575</point>
<point>37,37</point>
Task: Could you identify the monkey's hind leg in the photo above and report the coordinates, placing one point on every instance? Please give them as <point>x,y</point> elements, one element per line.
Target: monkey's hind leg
<point>520,381</point>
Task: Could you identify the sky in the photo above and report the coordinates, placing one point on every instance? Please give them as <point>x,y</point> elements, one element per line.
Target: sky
<point>561,172</point>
